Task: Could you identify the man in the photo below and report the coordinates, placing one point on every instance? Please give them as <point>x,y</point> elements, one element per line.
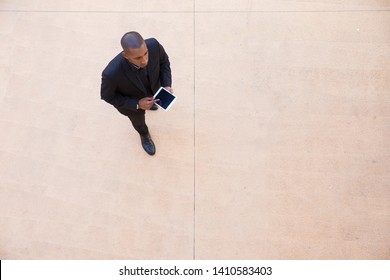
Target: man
<point>130,80</point>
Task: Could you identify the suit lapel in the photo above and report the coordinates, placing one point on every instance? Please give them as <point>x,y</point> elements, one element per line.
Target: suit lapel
<point>148,71</point>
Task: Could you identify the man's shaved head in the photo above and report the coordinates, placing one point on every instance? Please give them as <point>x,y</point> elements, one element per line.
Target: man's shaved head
<point>131,40</point>
<point>135,49</point>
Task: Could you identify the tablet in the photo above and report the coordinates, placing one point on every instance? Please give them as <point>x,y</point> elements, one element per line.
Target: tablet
<point>166,98</point>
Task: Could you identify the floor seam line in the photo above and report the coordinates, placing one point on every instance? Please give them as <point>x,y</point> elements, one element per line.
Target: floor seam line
<point>194,221</point>
<point>190,12</point>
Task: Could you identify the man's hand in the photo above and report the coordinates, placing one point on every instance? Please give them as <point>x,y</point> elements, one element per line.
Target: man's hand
<point>169,89</point>
<point>146,103</point>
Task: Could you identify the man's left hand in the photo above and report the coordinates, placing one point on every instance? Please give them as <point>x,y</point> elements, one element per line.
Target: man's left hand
<point>169,89</point>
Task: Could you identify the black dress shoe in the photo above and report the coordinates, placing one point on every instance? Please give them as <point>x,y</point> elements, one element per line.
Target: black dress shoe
<point>147,144</point>
<point>154,107</point>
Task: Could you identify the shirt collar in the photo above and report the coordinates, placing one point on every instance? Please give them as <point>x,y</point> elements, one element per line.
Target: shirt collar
<point>132,66</point>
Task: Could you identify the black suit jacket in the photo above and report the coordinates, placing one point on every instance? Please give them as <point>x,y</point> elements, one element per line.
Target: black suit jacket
<point>121,86</point>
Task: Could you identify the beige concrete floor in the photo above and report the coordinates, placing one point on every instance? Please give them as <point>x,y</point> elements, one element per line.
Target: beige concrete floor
<point>278,146</point>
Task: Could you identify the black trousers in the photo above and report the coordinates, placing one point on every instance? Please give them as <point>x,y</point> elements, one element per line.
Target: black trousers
<point>138,121</point>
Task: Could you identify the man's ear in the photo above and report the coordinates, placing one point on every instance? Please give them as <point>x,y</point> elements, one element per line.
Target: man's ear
<point>124,54</point>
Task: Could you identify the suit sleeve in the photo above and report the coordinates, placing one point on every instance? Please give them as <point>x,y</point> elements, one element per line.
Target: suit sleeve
<point>165,68</point>
<point>109,94</point>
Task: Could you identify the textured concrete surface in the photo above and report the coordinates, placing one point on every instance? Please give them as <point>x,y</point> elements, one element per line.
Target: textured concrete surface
<point>277,148</point>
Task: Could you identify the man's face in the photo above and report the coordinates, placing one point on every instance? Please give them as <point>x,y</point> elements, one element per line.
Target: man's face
<point>138,57</point>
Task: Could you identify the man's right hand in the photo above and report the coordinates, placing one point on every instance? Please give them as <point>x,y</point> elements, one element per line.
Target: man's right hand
<point>146,103</point>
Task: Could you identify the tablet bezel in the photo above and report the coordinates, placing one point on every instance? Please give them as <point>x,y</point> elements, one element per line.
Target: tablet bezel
<point>170,104</point>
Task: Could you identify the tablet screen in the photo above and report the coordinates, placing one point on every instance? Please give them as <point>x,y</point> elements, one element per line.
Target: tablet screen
<point>166,98</point>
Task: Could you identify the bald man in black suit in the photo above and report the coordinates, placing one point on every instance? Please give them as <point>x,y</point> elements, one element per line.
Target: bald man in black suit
<point>132,77</point>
